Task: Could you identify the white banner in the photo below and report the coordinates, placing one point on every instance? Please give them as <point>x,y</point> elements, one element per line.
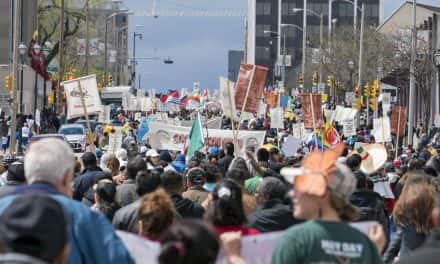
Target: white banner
<point>227,97</point>
<point>175,137</point>
<point>382,129</point>
<point>91,96</point>
<point>276,118</point>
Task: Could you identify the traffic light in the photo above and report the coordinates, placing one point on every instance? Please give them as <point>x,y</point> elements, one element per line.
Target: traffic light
<point>110,80</point>
<point>8,83</point>
<point>357,103</point>
<point>376,87</point>
<point>373,91</point>
<point>51,98</point>
<point>330,81</point>
<point>373,103</point>
<point>315,79</point>
<point>366,90</point>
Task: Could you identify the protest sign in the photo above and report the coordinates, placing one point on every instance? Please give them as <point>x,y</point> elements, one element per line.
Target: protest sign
<point>299,131</point>
<point>382,131</point>
<point>175,137</point>
<point>398,120</point>
<point>291,146</point>
<point>249,87</point>
<point>349,97</point>
<point>104,116</point>
<point>115,140</point>
<point>312,112</point>
<point>89,88</point>
<point>348,127</point>
<point>276,118</point>
<point>227,97</point>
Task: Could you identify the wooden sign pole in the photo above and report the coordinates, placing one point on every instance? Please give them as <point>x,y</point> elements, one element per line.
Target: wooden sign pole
<point>90,136</point>
<point>313,120</point>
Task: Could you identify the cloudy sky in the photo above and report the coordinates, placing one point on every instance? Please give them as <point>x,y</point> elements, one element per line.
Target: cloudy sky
<point>198,45</point>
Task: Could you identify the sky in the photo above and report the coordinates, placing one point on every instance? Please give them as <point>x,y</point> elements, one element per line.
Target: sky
<point>197,45</point>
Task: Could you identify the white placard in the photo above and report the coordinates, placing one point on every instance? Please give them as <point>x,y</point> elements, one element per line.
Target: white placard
<point>115,140</point>
<point>276,118</point>
<point>91,96</point>
<point>299,131</point>
<point>37,117</point>
<point>382,129</point>
<point>227,97</point>
<point>291,146</point>
<point>349,127</point>
<point>104,116</point>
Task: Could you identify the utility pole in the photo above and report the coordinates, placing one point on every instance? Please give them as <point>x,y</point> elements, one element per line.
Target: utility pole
<point>61,56</point>
<point>361,54</point>
<point>330,4</point>
<point>15,73</point>
<point>87,38</point>
<point>321,37</point>
<point>412,79</point>
<point>304,40</point>
<point>355,11</point>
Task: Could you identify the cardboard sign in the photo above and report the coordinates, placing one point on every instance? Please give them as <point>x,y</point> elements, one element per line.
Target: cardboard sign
<point>398,121</point>
<point>92,100</point>
<point>299,131</point>
<point>312,112</point>
<point>252,77</point>
<point>227,97</point>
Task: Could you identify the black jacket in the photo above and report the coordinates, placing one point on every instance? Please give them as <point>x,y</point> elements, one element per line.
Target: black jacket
<point>223,164</point>
<point>371,207</point>
<point>426,254</point>
<point>86,180</point>
<point>125,219</point>
<point>272,216</point>
<point>187,208</point>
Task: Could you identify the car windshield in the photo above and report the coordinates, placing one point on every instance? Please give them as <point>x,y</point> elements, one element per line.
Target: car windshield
<point>71,130</point>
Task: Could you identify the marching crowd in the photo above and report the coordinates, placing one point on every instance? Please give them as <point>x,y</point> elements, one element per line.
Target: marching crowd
<point>56,208</point>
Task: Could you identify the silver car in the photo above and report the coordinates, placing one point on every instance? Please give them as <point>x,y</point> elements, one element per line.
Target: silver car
<point>75,135</point>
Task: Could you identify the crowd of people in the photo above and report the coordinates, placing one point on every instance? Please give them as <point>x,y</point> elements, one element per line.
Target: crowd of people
<point>56,208</point>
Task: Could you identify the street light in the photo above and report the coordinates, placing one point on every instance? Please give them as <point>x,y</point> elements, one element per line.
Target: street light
<point>274,35</point>
<point>284,47</point>
<point>22,48</point>
<point>330,7</point>
<point>321,25</point>
<point>123,12</point>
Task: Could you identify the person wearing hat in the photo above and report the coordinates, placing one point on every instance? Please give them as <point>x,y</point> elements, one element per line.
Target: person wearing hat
<point>33,229</point>
<point>14,177</point>
<point>152,159</point>
<point>179,164</point>
<point>322,188</point>
<point>195,178</point>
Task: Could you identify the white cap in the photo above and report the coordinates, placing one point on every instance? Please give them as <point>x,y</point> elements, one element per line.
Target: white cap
<point>152,153</point>
<point>143,149</point>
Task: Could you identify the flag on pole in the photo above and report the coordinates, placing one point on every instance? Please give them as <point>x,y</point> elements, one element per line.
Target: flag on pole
<point>196,140</point>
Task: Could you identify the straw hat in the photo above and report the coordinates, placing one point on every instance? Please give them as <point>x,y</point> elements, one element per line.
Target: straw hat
<point>373,157</point>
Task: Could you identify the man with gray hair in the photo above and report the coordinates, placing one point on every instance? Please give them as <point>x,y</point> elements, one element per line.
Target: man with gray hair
<point>49,165</point>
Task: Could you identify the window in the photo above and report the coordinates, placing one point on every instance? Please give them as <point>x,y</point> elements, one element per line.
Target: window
<point>262,52</point>
<point>263,8</point>
<point>260,28</point>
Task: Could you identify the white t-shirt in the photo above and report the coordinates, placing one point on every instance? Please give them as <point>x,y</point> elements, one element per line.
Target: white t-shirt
<point>25,132</point>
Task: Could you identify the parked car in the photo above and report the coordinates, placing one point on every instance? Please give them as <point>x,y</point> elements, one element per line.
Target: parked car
<point>75,135</point>
<point>43,136</point>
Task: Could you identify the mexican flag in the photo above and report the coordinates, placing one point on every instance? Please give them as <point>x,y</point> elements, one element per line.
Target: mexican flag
<point>196,140</point>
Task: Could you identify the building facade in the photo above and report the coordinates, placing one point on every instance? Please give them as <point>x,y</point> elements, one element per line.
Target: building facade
<point>235,57</point>
<point>269,43</point>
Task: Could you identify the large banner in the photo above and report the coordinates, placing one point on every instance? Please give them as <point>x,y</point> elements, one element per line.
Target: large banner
<point>73,96</point>
<point>254,78</point>
<point>165,136</point>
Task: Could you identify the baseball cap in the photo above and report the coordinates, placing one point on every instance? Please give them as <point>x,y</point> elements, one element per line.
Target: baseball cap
<point>152,153</point>
<point>143,150</point>
<point>16,172</point>
<point>34,225</point>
